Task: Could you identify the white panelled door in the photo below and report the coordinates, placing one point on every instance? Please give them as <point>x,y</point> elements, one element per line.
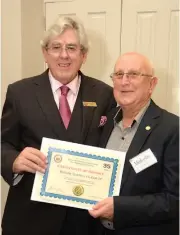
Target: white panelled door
<point>102,20</point>
<point>151,28</point>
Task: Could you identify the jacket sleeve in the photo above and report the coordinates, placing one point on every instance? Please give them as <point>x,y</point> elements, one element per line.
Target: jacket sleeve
<point>154,208</point>
<point>10,136</point>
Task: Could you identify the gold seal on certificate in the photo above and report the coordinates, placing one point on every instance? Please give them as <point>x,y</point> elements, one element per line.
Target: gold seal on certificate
<point>57,158</point>
<point>77,175</point>
<point>78,190</point>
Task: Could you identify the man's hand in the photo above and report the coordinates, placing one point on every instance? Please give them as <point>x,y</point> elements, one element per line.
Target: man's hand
<point>30,160</point>
<point>103,209</point>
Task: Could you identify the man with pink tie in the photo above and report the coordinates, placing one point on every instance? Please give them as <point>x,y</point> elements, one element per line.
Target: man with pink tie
<point>61,103</point>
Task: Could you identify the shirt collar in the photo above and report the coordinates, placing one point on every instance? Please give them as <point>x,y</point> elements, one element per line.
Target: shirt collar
<point>137,119</point>
<point>73,85</point>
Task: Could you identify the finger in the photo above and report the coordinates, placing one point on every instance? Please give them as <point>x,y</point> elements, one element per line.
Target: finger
<point>37,153</point>
<point>33,166</point>
<point>35,159</point>
<point>19,168</point>
<point>26,165</point>
<point>27,169</point>
<point>99,205</point>
<point>97,213</point>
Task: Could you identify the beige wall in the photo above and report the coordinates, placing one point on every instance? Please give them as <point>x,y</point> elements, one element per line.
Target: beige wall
<point>22,29</point>
<point>11,43</point>
<point>32,29</point>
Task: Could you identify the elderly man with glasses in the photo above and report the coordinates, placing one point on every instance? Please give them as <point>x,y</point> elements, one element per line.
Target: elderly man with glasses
<point>61,103</point>
<point>149,192</point>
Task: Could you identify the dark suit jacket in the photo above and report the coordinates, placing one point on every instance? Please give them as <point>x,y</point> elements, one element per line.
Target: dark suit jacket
<point>148,201</point>
<point>29,114</point>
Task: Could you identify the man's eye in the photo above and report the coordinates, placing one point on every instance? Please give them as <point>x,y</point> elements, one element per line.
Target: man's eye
<point>119,74</point>
<point>133,74</point>
<point>71,48</point>
<point>56,47</point>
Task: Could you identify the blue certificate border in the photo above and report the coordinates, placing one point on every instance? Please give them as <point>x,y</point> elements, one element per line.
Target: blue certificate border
<point>80,154</point>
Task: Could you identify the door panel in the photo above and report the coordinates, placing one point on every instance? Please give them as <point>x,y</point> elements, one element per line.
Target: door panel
<point>102,20</point>
<point>151,28</point>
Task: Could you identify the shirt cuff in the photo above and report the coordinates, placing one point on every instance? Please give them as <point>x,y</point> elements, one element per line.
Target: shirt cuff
<point>107,224</point>
<point>16,179</point>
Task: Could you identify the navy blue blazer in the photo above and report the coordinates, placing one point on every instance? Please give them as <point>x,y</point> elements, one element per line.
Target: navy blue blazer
<point>148,201</point>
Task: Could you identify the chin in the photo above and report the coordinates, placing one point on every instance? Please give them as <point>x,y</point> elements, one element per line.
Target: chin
<point>64,77</point>
<point>125,104</point>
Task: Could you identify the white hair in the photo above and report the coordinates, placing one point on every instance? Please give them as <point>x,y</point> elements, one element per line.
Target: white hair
<point>63,23</point>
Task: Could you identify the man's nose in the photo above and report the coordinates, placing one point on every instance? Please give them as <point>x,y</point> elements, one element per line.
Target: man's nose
<point>64,53</point>
<point>125,79</point>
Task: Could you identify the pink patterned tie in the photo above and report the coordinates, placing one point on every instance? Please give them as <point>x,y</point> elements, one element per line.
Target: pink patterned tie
<point>64,106</point>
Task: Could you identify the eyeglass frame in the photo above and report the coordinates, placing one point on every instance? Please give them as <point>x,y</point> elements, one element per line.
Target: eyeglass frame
<point>129,74</point>
<point>60,48</point>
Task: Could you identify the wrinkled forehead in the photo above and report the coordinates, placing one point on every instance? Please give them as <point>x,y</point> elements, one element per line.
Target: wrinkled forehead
<point>132,62</point>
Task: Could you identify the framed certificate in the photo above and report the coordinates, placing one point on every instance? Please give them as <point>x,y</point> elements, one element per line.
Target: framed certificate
<point>77,175</point>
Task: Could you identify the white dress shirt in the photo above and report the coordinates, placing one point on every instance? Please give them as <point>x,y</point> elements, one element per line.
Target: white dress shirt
<point>74,86</point>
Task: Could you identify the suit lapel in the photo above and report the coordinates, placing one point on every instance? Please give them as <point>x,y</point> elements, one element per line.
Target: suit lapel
<point>150,120</point>
<point>109,126</point>
<point>48,105</point>
<point>49,108</point>
<point>87,87</point>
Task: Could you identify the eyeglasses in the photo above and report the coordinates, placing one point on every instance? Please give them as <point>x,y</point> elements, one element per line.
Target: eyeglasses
<point>130,75</point>
<point>56,49</point>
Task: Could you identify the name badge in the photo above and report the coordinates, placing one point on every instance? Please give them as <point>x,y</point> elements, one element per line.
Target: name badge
<point>89,104</point>
<point>143,161</point>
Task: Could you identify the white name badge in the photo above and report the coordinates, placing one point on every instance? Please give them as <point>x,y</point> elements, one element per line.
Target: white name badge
<point>143,161</point>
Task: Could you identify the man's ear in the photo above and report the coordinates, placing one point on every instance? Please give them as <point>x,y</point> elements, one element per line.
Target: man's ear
<point>84,57</point>
<point>44,52</point>
<point>153,83</point>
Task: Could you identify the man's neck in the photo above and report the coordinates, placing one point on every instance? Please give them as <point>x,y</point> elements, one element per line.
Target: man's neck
<point>129,113</point>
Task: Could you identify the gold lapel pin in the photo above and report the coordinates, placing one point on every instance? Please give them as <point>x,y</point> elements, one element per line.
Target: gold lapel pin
<point>148,128</point>
<point>89,104</point>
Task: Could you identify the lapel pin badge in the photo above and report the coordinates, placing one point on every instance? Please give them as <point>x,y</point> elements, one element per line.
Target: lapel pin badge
<point>148,128</point>
<point>89,104</point>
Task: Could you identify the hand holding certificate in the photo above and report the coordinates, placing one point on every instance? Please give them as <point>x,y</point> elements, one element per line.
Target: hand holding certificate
<point>77,175</point>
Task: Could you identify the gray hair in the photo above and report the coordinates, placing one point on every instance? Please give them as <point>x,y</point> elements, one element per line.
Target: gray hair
<point>63,23</point>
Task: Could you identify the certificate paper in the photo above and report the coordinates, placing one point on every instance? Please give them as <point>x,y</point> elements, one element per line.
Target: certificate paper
<point>77,175</point>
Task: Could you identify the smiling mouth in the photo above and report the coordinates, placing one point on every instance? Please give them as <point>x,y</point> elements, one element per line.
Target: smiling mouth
<point>62,65</point>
